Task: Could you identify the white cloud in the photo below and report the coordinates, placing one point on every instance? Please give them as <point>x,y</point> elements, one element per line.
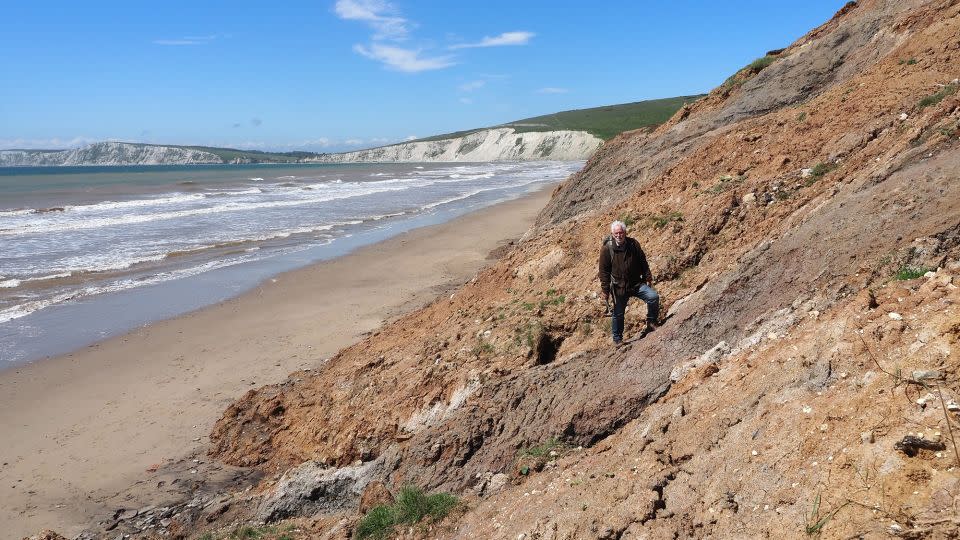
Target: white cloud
<point>353,142</point>
<point>321,142</point>
<point>471,86</point>
<point>189,40</point>
<point>378,14</point>
<point>406,60</point>
<point>54,143</point>
<point>506,38</point>
<point>466,101</point>
<point>552,90</point>
<point>410,138</point>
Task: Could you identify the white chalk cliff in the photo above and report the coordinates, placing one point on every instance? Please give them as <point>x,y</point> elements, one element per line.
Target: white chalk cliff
<point>108,153</point>
<point>497,144</point>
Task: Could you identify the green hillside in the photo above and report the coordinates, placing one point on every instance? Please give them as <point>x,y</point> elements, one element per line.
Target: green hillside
<point>605,122</point>
<point>253,156</point>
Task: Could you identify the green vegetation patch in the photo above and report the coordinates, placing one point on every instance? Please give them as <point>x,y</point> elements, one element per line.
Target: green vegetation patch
<point>410,508</point>
<point>749,70</point>
<point>910,272</point>
<point>250,532</point>
<point>543,450</point>
<point>604,122</point>
<point>661,221</point>
<point>821,169</point>
<point>726,182</point>
<point>229,155</point>
<point>947,90</point>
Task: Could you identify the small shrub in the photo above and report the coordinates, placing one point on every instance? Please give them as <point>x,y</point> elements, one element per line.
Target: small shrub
<point>542,450</point>
<point>378,523</point>
<point>911,61</point>
<point>661,221</point>
<point>245,532</point>
<point>933,99</point>
<point>802,116</point>
<point>760,63</point>
<point>910,272</point>
<point>821,169</point>
<point>483,347</point>
<point>726,181</point>
<point>411,507</point>
<point>750,69</point>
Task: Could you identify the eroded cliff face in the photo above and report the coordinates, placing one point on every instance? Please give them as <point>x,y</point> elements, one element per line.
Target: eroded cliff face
<point>108,153</point>
<point>776,397</point>
<point>499,144</point>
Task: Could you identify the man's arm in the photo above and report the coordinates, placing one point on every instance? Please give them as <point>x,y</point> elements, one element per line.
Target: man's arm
<point>644,267</point>
<point>604,264</point>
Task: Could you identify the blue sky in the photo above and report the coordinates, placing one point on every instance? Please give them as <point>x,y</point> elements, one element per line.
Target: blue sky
<point>328,75</point>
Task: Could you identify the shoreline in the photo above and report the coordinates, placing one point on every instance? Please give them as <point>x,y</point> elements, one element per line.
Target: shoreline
<point>83,426</point>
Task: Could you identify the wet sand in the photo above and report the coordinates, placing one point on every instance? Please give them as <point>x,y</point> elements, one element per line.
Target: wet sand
<point>82,427</point>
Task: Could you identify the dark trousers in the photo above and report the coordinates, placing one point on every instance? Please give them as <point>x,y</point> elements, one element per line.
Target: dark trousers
<point>643,292</point>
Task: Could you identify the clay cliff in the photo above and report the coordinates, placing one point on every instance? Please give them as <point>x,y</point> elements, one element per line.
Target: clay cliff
<point>803,225</point>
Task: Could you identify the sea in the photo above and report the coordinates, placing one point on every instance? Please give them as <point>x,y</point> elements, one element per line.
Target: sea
<point>87,253</point>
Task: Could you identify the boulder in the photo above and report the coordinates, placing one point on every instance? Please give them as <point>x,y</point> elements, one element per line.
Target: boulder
<point>312,488</point>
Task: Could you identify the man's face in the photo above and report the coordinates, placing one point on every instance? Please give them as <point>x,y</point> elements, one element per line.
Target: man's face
<point>619,234</point>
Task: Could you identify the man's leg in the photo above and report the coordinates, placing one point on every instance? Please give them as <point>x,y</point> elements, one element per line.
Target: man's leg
<point>616,319</point>
<point>650,296</point>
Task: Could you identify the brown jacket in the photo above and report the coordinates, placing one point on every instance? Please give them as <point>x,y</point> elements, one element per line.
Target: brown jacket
<point>628,268</point>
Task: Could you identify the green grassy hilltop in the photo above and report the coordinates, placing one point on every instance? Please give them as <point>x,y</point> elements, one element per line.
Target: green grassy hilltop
<point>605,122</point>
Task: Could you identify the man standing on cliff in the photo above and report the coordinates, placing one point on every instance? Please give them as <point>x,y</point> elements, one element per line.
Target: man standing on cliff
<point>625,273</point>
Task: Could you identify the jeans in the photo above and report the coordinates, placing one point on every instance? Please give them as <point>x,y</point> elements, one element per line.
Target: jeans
<point>645,293</point>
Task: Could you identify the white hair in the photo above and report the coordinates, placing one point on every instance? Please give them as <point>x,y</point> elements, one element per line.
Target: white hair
<point>618,223</point>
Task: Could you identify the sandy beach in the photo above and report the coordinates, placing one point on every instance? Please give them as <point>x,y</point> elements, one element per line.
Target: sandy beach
<point>82,427</point>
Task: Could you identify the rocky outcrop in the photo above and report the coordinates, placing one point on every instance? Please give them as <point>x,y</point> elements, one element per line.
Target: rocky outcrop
<point>313,488</point>
<point>108,153</point>
<point>498,144</point>
<point>846,46</point>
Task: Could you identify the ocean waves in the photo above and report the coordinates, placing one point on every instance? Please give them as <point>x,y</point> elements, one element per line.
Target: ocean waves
<point>113,233</point>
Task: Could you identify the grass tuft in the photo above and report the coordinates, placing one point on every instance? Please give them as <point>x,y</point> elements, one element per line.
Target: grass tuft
<point>910,272</point>
<point>542,450</point>
<point>411,507</point>
<point>933,99</point>
<point>752,68</point>
<point>661,221</point>
<point>821,169</point>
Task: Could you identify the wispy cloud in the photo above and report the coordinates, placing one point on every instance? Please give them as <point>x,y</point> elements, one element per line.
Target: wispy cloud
<point>256,122</point>
<point>552,90</point>
<point>400,59</point>
<point>389,29</point>
<point>410,138</point>
<point>54,143</point>
<point>504,39</point>
<point>379,15</point>
<point>189,40</point>
<point>466,101</point>
<point>472,85</point>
